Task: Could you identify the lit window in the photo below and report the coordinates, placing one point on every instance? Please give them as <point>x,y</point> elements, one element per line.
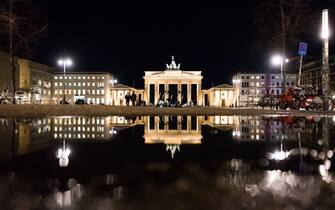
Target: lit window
<point>79,77</point>
<point>74,84</point>
<point>88,77</point>
<point>93,77</point>
<point>70,91</point>
<point>98,78</point>
<point>79,92</point>
<point>79,84</point>
<point>102,77</point>
<point>60,91</point>
<point>98,92</point>
<point>60,84</point>
<point>84,92</point>
<point>70,84</point>
<point>257,84</point>
<point>74,92</point>
<point>56,77</point>
<point>88,84</point>
<point>252,77</point>
<point>93,84</point>
<point>257,77</point>
<point>60,77</point>
<point>65,77</point>
<point>102,91</point>
<point>93,92</point>
<point>39,82</point>
<point>70,77</point>
<point>84,77</point>
<point>56,84</point>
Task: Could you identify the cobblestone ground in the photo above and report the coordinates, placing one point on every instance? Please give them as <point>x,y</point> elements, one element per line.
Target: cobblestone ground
<point>105,110</point>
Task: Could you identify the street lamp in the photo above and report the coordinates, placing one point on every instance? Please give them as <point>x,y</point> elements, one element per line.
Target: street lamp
<point>325,54</point>
<point>113,82</point>
<point>64,62</point>
<point>279,60</point>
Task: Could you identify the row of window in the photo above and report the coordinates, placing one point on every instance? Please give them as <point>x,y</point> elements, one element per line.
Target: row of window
<point>247,92</point>
<point>80,92</point>
<point>78,136</point>
<point>79,77</point>
<point>252,84</point>
<point>262,77</point>
<point>79,121</point>
<point>80,128</point>
<point>79,84</point>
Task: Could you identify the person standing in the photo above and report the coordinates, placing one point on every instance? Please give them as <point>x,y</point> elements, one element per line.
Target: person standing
<point>133,98</point>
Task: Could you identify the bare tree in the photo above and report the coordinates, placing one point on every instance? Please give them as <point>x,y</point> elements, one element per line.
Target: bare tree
<point>21,25</point>
<point>284,23</point>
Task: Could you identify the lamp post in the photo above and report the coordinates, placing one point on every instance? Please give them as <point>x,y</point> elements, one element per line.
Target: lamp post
<point>64,62</point>
<point>113,82</point>
<point>325,53</point>
<point>279,60</point>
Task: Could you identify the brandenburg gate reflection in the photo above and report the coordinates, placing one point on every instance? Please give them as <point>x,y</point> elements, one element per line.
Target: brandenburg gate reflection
<point>172,131</point>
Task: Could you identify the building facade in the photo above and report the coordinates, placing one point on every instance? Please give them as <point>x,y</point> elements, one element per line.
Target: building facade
<point>119,92</point>
<point>311,74</point>
<point>220,96</point>
<point>182,86</point>
<point>95,87</point>
<point>35,80</point>
<point>250,87</point>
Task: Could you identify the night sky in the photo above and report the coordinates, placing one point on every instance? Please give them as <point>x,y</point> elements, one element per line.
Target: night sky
<point>126,38</point>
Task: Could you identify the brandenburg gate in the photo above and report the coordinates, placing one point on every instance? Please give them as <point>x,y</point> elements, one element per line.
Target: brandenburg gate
<point>182,86</point>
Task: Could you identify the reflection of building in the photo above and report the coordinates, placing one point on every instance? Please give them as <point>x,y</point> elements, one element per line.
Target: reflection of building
<point>261,128</point>
<point>100,128</point>
<point>172,131</point>
<point>221,122</point>
<point>81,127</point>
<point>183,86</point>
<point>250,87</point>
<point>94,86</point>
<point>221,95</point>
<point>119,92</point>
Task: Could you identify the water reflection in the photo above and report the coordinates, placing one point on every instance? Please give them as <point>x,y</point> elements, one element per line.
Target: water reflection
<point>63,155</point>
<point>172,131</point>
<point>281,162</point>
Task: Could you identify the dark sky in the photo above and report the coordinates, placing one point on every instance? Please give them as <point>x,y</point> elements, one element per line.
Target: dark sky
<point>126,38</point>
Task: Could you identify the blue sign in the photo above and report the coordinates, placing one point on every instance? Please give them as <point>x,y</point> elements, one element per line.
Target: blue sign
<point>302,48</point>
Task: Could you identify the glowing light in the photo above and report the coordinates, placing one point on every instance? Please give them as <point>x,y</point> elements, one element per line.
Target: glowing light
<point>276,60</point>
<point>325,25</point>
<point>63,156</point>
<point>67,62</point>
<point>280,155</point>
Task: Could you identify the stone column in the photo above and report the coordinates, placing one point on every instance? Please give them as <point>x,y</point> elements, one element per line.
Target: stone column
<point>199,97</point>
<point>188,123</point>
<point>156,93</point>
<point>179,121</point>
<point>179,92</point>
<point>189,92</point>
<point>146,93</point>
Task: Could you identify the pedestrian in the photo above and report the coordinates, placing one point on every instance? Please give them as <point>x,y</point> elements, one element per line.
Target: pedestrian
<point>133,98</point>
<point>127,98</point>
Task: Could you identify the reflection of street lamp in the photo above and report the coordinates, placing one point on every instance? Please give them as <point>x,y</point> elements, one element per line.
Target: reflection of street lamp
<point>278,60</point>
<point>64,62</point>
<point>63,156</point>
